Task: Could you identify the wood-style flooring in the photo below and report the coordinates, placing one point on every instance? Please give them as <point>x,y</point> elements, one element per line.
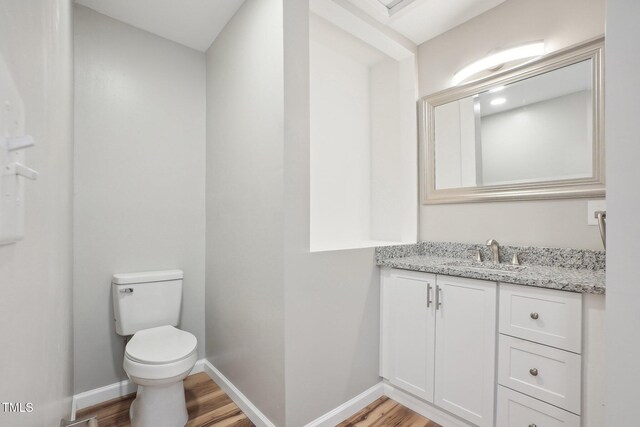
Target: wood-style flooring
<point>209,406</point>
<point>385,412</point>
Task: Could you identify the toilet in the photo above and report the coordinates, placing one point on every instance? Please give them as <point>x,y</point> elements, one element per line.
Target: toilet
<point>159,356</point>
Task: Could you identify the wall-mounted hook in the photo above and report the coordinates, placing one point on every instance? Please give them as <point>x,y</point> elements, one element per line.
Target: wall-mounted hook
<point>13,143</point>
<point>16,168</point>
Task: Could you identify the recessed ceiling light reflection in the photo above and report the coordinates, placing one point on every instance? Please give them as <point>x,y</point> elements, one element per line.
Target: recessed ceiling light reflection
<point>496,89</point>
<point>498,101</point>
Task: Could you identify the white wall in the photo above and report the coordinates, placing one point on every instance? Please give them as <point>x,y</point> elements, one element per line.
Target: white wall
<point>139,179</point>
<point>546,140</point>
<point>36,356</point>
<point>245,225</point>
<point>561,223</point>
<point>362,137</point>
<point>457,157</point>
<point>393,151</point>
<point>340,148</point>
<point>623,205</point>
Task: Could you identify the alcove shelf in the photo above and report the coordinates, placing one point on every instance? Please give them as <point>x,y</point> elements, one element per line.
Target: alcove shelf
<point>363,135</point>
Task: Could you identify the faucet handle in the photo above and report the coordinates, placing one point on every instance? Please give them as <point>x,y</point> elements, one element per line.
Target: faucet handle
<point>515,260</point>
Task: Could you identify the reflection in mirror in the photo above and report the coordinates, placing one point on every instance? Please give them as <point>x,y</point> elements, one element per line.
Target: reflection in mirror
<point>530,132</point>
<point>538,129</point>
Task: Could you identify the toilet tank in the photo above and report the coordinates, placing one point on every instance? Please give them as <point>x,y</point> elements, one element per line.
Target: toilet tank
<point>146,300</point>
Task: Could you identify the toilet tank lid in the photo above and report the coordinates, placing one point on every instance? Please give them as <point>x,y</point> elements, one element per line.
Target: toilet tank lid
<point>147,276</point>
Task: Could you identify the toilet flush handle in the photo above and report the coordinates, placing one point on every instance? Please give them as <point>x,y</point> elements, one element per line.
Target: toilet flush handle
<point>127,290</point>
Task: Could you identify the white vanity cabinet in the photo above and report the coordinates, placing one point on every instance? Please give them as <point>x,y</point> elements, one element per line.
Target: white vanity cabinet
<point>540,357</point>
<point>438,341</point>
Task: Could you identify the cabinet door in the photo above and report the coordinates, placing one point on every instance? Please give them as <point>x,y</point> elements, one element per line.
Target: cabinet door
<point>465,348</point>
<point>407,323</point>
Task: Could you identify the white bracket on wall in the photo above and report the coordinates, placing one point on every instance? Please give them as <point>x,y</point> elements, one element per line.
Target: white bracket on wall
<point>13,172</point>
<point>13,143</point>
<point>19,169</point>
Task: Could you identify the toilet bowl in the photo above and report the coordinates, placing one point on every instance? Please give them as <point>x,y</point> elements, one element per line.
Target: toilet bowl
<point>158,360</point>
<point>158,356</point>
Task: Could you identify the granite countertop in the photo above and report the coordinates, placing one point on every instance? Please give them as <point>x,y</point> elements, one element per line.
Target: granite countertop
<point>570,270</point>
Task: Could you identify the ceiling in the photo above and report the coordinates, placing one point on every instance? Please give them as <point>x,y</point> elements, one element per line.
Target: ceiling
<point>193,23</point>
<point>421,20</point>
<point>196,23</point>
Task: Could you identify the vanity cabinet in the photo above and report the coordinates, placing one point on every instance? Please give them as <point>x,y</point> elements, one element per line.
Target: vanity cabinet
<point>540,357</point>
<point>438,341</point>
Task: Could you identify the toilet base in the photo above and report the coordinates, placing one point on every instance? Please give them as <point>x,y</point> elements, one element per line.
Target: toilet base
<point>161,406</point>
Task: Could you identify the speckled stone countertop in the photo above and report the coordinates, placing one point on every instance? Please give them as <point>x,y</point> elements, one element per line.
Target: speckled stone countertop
<point>573,270</point>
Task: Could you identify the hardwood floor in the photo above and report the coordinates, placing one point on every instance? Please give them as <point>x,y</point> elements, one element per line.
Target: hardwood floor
<point>209,406</point>
<point>385,412</point>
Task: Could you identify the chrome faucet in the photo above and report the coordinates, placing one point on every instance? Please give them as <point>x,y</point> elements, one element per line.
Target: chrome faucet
<point>495,248</point>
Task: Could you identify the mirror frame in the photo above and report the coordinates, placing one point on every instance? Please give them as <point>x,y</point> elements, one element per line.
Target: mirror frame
<point>593,186</point>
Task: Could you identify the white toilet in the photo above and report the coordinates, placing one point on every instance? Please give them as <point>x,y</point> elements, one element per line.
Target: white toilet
<point>158,356</point>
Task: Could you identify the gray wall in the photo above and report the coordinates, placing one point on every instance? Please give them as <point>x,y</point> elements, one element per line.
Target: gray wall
<point>139,179</point>
<point>245,261</point>
<point>550,138</point>
<point>36,355</point>
<point>296,332</point>
<point>623,199</point>
<point>560,223</point>
<point>331,298</point>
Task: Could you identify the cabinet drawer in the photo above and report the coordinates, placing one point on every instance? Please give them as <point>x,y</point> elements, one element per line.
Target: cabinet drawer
<point>542,315</point>
<point>539,371</point>
<point>517,410</point>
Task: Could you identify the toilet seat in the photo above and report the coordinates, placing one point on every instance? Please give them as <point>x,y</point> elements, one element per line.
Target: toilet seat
<point>160,355</point>
<point>161,345</point>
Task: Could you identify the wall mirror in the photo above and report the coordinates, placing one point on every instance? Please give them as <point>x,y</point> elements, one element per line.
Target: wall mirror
<point>532,132</point>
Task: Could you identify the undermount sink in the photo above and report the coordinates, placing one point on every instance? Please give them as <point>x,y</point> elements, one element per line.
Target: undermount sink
<point>480,266</point>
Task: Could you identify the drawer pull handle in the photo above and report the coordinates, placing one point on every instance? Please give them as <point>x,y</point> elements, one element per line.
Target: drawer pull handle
<point>534,315</point>
<point>533,372</point>
<point>532,425</point>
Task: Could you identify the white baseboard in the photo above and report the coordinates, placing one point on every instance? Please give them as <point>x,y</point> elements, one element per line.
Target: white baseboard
<point>112,391</point>
<point>349,408</point>
<point>102,394</point>
<point>331,418</point>
<point>249,409</point>
<point>423,408</point>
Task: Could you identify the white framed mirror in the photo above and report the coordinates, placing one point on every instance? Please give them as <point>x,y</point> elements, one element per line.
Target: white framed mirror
<point>532,132</point>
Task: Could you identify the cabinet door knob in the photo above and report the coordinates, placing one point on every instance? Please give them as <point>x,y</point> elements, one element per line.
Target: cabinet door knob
<point>534,315</point>
<point>534,372</point>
